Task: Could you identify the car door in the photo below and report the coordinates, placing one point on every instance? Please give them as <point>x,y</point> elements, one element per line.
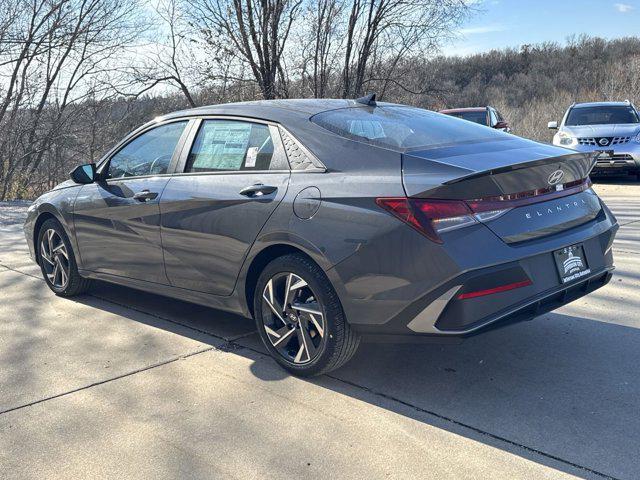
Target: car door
<point>234,176</point>
<point>117,219</point>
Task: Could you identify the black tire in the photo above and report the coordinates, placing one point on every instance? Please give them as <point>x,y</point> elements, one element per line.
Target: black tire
<point>339,341</point>
<point>74,284</point>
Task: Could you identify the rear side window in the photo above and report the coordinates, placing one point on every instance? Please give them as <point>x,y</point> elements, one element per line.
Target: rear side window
<point>401,128</point>
<point>475,117</point>
<point>147,154</point>
<point>228,145</point>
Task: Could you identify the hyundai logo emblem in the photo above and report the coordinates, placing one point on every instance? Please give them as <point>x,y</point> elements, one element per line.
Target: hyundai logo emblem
<point>603,142</point>
<point>555,177</point>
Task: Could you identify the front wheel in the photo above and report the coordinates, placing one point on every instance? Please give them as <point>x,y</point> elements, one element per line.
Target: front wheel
<point>57,261</point>
<point>300,319</point>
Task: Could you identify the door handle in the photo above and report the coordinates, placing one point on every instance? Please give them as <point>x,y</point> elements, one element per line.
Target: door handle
<point>257,190</point>
<point>145,195</point>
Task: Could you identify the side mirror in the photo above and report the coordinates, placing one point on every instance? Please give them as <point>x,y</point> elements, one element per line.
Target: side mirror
<point>501,126</point>
<point>84,173</point>
<point>552,125</point>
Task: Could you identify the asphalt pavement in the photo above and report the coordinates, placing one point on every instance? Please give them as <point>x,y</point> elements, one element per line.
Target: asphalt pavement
<point>124,384</point>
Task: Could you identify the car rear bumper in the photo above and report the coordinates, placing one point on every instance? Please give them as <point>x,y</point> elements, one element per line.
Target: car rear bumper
<point>618,164</point>
<point>525,311</point>
<point>504,310</point>
<point>625,158</point>
<point>418,294</point>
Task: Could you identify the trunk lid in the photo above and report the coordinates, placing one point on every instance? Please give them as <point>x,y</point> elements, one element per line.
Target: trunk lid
<point>529,179</point>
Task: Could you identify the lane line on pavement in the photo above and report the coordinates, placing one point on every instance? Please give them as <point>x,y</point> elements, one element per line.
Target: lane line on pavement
<point>475,429</point>
<point>110,379</point>
<point>244,335</point>
<point>11,269</point>
<point>231,345</point>
<point>629,222</point>
<point>625,251</point>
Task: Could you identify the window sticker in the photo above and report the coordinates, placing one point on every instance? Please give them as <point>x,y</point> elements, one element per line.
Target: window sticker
<point>252,155</point>
<point>223,146</point>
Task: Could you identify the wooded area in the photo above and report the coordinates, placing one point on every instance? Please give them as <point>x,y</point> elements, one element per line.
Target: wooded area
<point>77,75</point>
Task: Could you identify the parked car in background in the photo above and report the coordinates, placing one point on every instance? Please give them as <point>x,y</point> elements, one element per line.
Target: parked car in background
<point>610,128</point>
<point>328,220</point>
<point>487,116</point>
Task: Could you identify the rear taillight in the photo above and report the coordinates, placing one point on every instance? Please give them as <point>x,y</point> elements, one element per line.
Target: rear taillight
<point>434,216</point>
<point>429,217</point>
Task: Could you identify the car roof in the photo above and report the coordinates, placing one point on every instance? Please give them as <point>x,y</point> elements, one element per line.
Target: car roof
<point>602,104</point>
<point>281,110</point>
<point>294,115</point>
<point>465,109</point>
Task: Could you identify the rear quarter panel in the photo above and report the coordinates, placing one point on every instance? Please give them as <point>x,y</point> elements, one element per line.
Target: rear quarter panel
<point>345,217</point>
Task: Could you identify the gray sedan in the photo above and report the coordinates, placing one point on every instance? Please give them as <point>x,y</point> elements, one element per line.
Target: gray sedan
<point>330,221</point>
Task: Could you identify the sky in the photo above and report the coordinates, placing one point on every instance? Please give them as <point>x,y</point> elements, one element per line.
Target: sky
<point>511,23</point>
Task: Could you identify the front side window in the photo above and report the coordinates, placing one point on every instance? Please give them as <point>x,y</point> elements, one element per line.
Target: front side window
<point>230,145</point>
<point>147,154</point>
<point>403,127</point>
<point>601,116</point>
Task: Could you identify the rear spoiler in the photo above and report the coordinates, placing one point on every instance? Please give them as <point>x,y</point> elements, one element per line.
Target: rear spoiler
<point>481,170</point>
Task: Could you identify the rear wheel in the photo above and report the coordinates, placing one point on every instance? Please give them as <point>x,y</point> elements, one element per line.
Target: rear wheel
<point>300,318</point>
<point>57,261</point>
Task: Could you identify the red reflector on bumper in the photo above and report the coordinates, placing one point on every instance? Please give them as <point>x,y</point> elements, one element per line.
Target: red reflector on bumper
<point>490,291</point>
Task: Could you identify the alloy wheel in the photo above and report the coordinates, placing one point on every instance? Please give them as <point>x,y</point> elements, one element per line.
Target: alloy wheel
<point>55,259</point>
<point>293,318</point>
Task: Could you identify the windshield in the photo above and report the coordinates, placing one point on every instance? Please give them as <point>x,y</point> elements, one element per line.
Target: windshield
<point>402,127</point>
<point>601,116</point>
<point>476,117</point>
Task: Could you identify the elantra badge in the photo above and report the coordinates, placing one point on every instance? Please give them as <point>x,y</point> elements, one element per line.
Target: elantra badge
<point>559,208</point>
<point>603,142</point>
<point>555,177</point>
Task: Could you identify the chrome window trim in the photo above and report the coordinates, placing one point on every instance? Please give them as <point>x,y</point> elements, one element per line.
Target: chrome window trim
<point>181,163</point>
<point>178,162</point>
<point>106,159</point>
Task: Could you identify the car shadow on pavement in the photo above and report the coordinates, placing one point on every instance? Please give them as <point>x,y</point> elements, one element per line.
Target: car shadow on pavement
<point>561,390</point>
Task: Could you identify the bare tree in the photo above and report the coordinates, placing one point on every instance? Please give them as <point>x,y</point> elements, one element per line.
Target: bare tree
<point>252,32</point>
<point>54,57</point>
<point>169,58</point>
<point>325,16</point>
<point>384,31</point>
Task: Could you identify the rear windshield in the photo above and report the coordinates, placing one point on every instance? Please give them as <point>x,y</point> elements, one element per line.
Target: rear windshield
<point>401,128</point>
<point>601,116</point>
<point>476,117</point>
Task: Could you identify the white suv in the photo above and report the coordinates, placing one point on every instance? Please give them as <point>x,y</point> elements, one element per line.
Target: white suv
<point>611,128</point>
